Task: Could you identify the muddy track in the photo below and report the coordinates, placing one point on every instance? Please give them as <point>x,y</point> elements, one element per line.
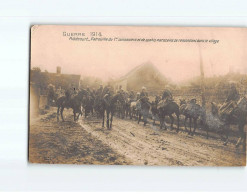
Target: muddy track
<point>86,142</point>
<point>67,143</point>
<point>149,145</point>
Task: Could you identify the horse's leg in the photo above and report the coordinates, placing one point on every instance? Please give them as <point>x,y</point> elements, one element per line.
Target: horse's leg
<point>58,108</point>
<point>227,134</point>
<point>164,122</point>
<point>103,116</point>
<point>178,121</point>
<point>74,112</point>
<point>111,119</point>
<point>139,118</point>
<point>92,111</point>
<point>61,111</point>
<point>241,136</point>
<point>244,142</point>
<point>161,122</point>
<point>190,125</point>
<point>145,116</point>
<point>207,129</point>
<point>185,120</point>
<point>195,126</point>
<point>107,116</point>
<point>172,120</point>
<point>80,113</point>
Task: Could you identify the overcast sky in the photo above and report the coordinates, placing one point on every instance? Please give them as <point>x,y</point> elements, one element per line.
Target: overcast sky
<point>177,61</point>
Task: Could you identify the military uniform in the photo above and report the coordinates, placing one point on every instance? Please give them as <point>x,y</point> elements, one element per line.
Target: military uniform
<point>230,103</point>
<point>99,91</point>
<point>167,95</point>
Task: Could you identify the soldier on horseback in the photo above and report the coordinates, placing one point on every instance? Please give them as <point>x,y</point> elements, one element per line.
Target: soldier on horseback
<point>137,96</point>
<point>166,98</point>
<point>167,95</point>
<point>67,94</point>
<point>144,94</point>
<point>51,94</point>
<point>231,102</point>
<point>89,91</point>
<point>120,90</point>
<point>132,95</point>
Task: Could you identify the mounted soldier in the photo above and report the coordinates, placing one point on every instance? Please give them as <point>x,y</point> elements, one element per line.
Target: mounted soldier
<point>167,95</point>
<point>144,94</point>
<point>166,98</point>
<point>231,102</point>
<point>120,90</point>
<point>138,96</point>
<point>51,96</point>
<point>157,99</point>
<point>106,90</point>
<point>99,91</point>
<point>132,95</point>
<point>88,91</point>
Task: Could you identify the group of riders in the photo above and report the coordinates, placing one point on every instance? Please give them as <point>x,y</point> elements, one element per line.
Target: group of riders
<point>105,93</point>
<point>95,99</point>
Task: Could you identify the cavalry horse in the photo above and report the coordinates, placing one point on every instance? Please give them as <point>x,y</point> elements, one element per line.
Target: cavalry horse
<point>168,109</point>
<point>191,111</point>
<point>108,105</point>
<point>238,116</point>
<point>74,102</point>
<point>88,104</point>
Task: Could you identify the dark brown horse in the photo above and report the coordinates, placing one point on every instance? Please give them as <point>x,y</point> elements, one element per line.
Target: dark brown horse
<point>88,104</point>
<point>191,111</point>
<point>168,109</point>
<point>74,102</point>
<point>108,105</point>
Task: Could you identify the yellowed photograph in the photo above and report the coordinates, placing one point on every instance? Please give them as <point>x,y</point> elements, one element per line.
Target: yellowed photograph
<point>138,95</point>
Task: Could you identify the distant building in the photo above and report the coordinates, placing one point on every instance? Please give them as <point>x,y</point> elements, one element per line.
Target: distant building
<point>63,81</point>
<point>143,75</point>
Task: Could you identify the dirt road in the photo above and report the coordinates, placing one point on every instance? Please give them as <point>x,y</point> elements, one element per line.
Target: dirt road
<point>86,142</point>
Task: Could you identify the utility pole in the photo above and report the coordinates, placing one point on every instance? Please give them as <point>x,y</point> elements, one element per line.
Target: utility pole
<point>202,79</point>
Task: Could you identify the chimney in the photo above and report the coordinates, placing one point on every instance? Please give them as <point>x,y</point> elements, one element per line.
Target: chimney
<point>58,69</point>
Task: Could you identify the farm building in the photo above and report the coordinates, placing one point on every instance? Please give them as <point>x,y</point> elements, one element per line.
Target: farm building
<point>143,75</point>
<point>59,80</point>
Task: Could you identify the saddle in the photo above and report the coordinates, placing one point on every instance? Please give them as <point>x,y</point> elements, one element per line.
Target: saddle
<point>164,103</point>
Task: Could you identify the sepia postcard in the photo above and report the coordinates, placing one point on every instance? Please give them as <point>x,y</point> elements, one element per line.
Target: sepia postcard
<point>138,95</point>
